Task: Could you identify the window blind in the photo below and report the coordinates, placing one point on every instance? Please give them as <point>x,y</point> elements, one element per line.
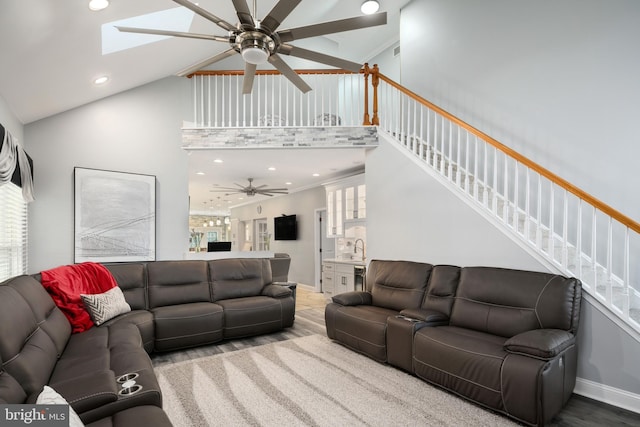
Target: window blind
<point>13,232</point>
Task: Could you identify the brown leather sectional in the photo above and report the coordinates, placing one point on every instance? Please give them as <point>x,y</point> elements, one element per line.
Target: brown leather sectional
<point>505,339</point>
<point>175,304</point>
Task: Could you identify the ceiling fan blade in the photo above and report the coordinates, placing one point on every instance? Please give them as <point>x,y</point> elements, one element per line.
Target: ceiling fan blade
<point>280,11</point>
<point>173,33</point>
<point>247,81</point>
<point>333,27</point>
<point>206,14</point>
<point>288,72</point>
<point>243,12</point>
<point>195,67</point>
<point>320,57</point>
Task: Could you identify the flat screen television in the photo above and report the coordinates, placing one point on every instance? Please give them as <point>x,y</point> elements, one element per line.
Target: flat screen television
<point>285,227</point>
<point>218,246</point>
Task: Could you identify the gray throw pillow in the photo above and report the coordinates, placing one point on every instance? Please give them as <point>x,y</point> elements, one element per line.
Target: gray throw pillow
<point>105,306</point>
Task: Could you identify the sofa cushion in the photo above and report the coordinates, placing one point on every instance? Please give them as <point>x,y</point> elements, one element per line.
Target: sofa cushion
<point>397,285</point>
<point>256,315</point>
<point>177,282</point>
<point>441,291</point>
<point>237,278</point>
<point>10,390</point>
<point>143,320</point>
<point>508,302</point>
<point>466,361</point>
<point>187,325</point>
<point>362,328</point>
<point>29,342</point>
<point>105,306</point>
<point>132,279</point>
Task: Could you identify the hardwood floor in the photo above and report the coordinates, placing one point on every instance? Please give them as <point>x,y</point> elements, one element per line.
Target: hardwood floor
<point>580,411</point>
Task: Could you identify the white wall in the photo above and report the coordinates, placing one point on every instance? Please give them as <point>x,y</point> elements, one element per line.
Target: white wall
<point>557,81</point>
<point>10,122</point>
<point>303,205</point>
<point>137,131</point>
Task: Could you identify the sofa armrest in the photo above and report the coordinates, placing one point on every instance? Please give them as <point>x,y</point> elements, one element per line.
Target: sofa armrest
<point>90,391</point>
<point>540,343</point>
<point>276,291</point>
<point>353,298</point>
<point>426,315</point>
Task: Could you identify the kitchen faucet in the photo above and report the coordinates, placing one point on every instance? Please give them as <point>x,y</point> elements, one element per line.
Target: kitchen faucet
<point>355,248</point>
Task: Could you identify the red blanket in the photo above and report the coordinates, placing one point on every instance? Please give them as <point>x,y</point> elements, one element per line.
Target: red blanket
<point>66,283</point>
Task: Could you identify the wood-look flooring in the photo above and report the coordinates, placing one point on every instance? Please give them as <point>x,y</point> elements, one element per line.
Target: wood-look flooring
<point>580,411</point>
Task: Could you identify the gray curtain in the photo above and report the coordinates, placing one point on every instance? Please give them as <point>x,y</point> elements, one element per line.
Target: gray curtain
<point>15,165</point>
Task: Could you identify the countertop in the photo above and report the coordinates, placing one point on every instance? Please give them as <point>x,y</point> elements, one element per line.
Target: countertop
<point>346,261</point>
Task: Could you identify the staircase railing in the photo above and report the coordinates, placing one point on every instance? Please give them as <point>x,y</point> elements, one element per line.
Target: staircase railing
<point>336,99</point>
<point>568,228</point>
<point>579,234</point>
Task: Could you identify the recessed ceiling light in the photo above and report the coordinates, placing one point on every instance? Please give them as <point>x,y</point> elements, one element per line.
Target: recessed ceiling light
<point>369,7</point>
<point>288,183</point>
<point>218,161</point>
<point>316,174</point>
<point>97,5</point>
<point>271,168</point>
<point>101,80</point>
<point>199,173</point>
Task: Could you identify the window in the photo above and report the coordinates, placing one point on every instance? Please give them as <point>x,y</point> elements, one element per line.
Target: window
<point>13,232</point>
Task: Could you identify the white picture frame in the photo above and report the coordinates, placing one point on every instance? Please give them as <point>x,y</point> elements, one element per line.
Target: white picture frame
<point>114,216</point>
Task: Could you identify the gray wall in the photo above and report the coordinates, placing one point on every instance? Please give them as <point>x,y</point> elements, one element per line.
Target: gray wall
<point>137,131</point>
<point>11,122</point>
<point>303,205</point>
<point>557,81</point>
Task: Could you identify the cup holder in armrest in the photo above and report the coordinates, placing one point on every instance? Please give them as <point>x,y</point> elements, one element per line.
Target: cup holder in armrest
<point>127,377</point>
<point>130,391</point>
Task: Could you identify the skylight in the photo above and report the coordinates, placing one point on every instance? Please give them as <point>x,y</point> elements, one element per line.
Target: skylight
<point>176,19</point>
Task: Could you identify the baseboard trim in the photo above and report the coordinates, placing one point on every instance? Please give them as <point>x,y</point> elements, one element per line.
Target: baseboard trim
<point>607,394</point>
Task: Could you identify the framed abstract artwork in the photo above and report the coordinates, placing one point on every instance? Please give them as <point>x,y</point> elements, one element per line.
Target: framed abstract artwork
<point>114,216</point>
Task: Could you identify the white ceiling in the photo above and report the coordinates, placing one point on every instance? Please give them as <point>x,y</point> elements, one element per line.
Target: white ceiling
<point>51,51</point>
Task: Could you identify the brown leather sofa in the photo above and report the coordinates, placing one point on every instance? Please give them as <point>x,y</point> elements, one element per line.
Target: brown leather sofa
<point>505,339</point>
<point>175,304</point>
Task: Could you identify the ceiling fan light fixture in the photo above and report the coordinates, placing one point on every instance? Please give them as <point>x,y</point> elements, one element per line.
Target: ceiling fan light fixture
<point>255,55</point>
<point>369,7</point>
<point>97,5</point>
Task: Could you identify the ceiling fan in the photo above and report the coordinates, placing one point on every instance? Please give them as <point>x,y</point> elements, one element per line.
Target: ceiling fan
<point>251,190</point>
<point>258,41</point>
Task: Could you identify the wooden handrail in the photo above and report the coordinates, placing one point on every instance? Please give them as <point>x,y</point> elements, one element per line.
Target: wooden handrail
<point>268,72</point>
<point>601,206</point>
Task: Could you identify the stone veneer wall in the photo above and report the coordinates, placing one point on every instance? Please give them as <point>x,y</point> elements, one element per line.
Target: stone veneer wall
<point>272,137</point>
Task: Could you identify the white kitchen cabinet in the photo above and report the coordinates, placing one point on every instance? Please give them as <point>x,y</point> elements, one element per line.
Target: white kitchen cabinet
<point>346,201</point>
<point>343,281</point>
<point>328,278</point>
<point>335,216</point>
<point>355,202</point>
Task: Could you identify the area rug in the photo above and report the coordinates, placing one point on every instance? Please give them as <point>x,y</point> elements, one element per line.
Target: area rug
<point>308,381</point>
